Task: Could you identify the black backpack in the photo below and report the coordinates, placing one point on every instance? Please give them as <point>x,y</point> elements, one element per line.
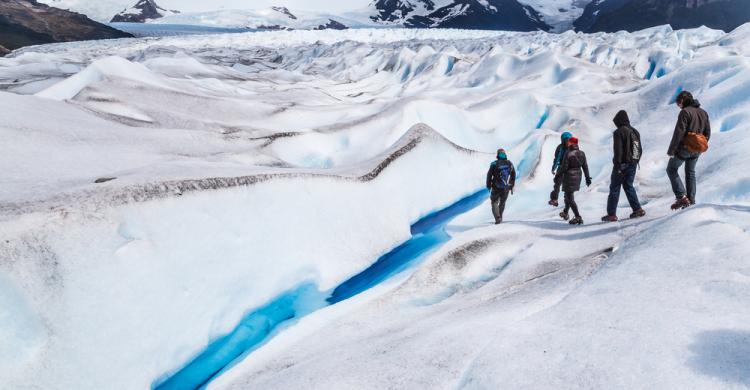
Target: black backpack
<point>636,150</point>
<point>502,175</point>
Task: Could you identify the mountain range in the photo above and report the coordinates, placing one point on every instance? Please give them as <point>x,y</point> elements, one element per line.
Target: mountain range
<point>633,15</point>
<point>470,14</point>
<point>28,22</point>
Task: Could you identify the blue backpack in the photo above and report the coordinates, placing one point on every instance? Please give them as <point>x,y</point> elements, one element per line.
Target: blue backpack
<point>502,175</point>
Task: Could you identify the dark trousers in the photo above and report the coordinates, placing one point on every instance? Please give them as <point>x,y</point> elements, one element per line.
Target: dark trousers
<point>623,179</point>
<point>498,198</point>
<point>673,167</point>
<point>556,190</point>
<point>570,203</point>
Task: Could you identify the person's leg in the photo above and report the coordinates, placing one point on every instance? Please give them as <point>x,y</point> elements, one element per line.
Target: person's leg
<point>495,201</point>
<point>567,203</point>
<point>690,179</point>
<point>615,182</point>
<point>674,177</point>
<point>570,197</point>
<point>501,205</point>
<point>627,185</point>
<point>555,194</point>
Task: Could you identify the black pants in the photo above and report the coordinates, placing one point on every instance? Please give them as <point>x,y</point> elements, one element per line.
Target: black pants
<point>498,198</point>
<point>556,190</point>
<point>570,203</point>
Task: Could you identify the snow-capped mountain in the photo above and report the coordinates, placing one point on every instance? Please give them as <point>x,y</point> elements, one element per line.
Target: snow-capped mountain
<point>27,22</point>
<point>100,10</point>
<point>272,18</point>
<point>633,15</point>
<point>469,14</point>
<point>559,14</point>
<point>142,12</point>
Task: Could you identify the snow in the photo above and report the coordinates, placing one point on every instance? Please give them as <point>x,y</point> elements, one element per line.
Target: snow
<point>250,165</point>
<point>497,313</point>
<point>553,14</point>
<point>104,10</point>
<point>259,18</point>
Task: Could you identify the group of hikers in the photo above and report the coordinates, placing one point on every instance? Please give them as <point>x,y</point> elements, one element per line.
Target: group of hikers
<point>570,168</point>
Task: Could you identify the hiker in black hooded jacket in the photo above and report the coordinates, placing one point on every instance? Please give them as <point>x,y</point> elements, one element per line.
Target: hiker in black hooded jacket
<point>692,119</point>
<point>627,153</point>
<point>570,172</point>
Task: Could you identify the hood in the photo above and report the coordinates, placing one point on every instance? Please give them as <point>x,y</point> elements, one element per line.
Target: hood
<point>621,119</point>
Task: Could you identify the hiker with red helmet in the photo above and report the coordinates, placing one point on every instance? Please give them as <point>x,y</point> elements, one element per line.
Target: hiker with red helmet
<point>569,173</point>
<point>690,139</point>
<point>559,154</point>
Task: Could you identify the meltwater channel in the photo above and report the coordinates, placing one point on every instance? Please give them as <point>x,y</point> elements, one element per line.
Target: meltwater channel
<point>260,325</point>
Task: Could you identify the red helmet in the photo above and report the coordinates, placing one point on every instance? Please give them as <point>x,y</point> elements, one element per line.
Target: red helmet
<point>573,141</point>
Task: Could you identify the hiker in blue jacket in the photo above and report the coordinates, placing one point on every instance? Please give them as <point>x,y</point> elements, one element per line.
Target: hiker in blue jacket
<point>501,178</point>
<point>559,155</point>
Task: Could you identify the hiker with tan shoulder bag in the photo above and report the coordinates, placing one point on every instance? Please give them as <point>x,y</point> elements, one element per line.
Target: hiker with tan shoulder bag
<point>689,141</point>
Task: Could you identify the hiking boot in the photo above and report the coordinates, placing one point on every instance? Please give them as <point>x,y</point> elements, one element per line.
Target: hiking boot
<point>638,213</point>
<point>553,202</point>
<point>498,221</point>
<point>564,215</point>
<point>576,221</point>
<point>681,203</point>
<point>609,218</point>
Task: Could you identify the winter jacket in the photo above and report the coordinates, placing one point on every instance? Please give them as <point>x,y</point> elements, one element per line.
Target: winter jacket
<point>692,119</point>
<point>559,154</point>
<point>570,169</point>
<point>494,181</point>
<point>623,139</point>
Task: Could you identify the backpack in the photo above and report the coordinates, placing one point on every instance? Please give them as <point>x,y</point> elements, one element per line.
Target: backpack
<point>502,176</point>
<point>636,150</point>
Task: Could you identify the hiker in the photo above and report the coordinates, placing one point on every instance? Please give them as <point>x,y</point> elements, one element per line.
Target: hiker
<point>559,154</point>
<point>570,176</point>
<point>501,178</point>
<point>690,139</point>
<point>627,153</point>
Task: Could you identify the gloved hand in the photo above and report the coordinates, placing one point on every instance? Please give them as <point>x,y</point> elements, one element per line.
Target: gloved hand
<point>554,172</point>
<point>511,190</point>
<point>588,182</point>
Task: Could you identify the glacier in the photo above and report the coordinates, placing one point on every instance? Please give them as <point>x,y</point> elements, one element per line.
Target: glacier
<point>240,168</point>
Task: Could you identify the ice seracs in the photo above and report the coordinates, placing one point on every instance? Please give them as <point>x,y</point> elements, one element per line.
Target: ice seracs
<point>249,165</point>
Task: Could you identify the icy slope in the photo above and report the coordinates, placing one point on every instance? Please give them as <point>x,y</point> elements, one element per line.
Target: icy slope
<point>538,306</point>
<point>249,165</point>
